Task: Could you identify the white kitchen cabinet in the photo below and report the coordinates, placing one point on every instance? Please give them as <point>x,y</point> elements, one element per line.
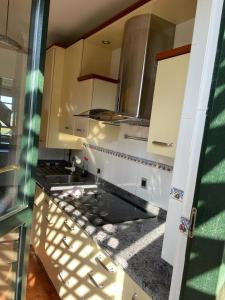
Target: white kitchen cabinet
<point>72,91</point>
<point>51,135</point>
<point>76,265</point>
<point>82,95</point>
<point>97,93</point>
<point>167,105</point>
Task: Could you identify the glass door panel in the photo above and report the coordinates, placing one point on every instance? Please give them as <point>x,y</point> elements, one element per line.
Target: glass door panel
<point>14,41</point>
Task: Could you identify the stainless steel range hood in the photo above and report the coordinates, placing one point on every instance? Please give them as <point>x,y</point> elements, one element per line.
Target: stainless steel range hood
<point>144,36</point>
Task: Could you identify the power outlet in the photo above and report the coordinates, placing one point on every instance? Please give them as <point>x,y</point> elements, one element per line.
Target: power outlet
<point>144,183</point>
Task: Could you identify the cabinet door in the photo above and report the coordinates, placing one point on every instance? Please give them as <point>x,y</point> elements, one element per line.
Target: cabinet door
<point>82,103</point>
<point>37,230</point>
<point>104,95</point>
<point>47,95</point>
<point>131,291</point>
<point>167,105</point>
<point>71,91</point>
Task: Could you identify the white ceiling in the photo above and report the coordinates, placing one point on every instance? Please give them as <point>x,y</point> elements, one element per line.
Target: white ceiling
<point>70,19</point>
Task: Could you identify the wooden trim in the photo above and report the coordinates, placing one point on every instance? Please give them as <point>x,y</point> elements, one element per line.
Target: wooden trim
<point>96,76</point>
<point>118,16</point>
<point>61,45</point>
<point>173,52</point>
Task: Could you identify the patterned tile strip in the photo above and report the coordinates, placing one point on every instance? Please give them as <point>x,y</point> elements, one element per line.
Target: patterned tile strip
<point>136,159</point>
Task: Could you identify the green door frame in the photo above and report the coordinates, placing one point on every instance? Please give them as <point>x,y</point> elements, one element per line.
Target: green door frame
<point>204,272</point>
<point>22,217</point>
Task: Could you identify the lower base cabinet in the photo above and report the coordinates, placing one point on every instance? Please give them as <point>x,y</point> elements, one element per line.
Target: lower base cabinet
<point>78,268</point>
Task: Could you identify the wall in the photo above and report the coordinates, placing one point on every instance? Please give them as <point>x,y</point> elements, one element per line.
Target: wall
<point>124,162</point>
<point>184,32</point>
<point>183,36</point>
<point>109,151</point>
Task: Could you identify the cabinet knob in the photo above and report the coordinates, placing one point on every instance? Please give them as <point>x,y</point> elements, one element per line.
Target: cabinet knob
<point>67,127</point>
<point>79,130</point>
<point>135,296</point>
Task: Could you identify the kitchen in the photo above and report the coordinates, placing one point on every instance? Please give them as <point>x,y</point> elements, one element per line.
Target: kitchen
<point>115,162</point>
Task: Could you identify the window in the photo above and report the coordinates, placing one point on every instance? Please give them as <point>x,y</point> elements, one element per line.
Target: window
<point>6,113</point>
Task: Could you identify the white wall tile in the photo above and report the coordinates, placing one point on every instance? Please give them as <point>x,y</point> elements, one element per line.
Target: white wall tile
<point>158,186</point>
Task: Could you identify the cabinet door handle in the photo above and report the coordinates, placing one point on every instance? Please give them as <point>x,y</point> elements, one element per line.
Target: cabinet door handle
<point>66,244</point>
<point>163,144</point>
<point>9,168</point>
<point>79,130</point>
<point>67,127</point>
<point>62,279</point>
<point>99,261</point>
<point>97,285</point>
<point>49,222</point>
<point>67,226</point>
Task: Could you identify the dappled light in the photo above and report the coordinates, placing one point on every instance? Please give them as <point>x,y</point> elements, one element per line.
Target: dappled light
<point>77,266</point>
<point>8,264</point>
<point>205,272</point>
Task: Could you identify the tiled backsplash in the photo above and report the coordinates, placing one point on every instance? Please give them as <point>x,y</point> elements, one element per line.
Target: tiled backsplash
<point>125,162</point>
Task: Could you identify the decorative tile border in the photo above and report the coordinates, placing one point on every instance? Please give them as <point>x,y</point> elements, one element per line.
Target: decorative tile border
<point>143,161</point>
<point>176,194</point>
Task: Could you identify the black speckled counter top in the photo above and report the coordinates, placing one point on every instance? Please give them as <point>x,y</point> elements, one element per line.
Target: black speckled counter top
<point>134,245</point>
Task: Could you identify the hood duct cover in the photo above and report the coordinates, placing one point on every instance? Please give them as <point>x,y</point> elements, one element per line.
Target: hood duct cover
<point>144,36</point>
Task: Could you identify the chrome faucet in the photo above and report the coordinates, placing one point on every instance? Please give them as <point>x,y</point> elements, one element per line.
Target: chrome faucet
<point>75,161</point>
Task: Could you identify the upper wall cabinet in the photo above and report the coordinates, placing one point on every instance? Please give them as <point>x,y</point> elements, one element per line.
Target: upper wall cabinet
<point>96,94</point>
<point>82,93</point>
<point>167,105</point>
<point>72,90</point>
<point>96,59</point>
<point>51,136</point>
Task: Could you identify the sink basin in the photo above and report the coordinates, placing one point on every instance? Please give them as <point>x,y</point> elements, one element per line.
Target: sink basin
<point>63,179</point>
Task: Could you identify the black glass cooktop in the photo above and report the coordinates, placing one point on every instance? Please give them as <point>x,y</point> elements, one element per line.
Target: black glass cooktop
<point>105,208</point>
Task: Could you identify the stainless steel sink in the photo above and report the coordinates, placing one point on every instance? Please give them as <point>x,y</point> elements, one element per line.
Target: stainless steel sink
<point>63,179</point>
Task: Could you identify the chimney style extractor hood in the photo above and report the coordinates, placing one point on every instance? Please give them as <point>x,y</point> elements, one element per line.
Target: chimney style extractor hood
<point>144,36</point>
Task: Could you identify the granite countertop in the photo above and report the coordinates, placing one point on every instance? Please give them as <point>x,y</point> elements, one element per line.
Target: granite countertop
<point>134,245</point>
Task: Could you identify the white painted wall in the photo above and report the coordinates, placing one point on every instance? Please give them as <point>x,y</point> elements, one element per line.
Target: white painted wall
<point>184,33</point>
<point>124,173</point>
<point>183,36</point>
